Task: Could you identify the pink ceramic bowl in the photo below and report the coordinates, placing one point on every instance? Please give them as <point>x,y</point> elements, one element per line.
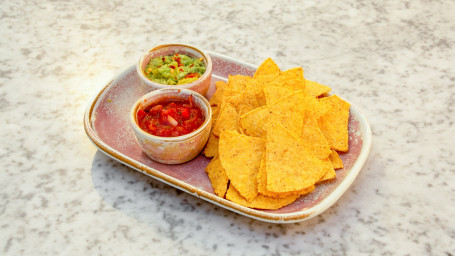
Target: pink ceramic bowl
<point>172,150</point>
<point>201,85</point>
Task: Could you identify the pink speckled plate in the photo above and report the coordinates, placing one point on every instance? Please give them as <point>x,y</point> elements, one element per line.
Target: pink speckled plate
<point>107,124</point>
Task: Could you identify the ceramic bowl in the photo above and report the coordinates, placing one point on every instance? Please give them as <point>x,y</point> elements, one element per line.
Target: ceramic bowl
<point>172,150</point>
<point>201,85</point>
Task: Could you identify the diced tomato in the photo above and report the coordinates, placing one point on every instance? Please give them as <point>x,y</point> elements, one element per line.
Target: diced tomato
<point>185,113</point>
<point>191,75</point>
<point>141,115</point>
<point>156,109</point>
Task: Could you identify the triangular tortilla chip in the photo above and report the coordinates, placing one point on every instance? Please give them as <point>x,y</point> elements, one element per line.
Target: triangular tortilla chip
<point>266,68</point>
<point>334,123</point>
<point>211,149</point>
<point>217,176</point>
<point>289,164</point>
<point>337,163</point>
<point>240,156</point>
<point>316,89</point>
<point>313,138</point>
<point>290,74</point>
<point>228,120</point>
<point>262,185</point>
<point>330,174</point>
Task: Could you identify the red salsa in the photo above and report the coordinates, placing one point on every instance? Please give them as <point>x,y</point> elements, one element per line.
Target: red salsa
<point>170,117</point>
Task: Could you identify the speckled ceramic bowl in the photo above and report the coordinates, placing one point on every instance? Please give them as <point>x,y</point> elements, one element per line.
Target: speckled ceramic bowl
<point>172,150</point>
<point>201,85</point>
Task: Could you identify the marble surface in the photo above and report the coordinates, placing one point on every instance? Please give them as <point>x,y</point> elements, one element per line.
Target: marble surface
<point>61,196</point>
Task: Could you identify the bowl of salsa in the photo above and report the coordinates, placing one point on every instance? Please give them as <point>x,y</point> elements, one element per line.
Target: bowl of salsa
<point>175,66</point>
<point>171,125</point>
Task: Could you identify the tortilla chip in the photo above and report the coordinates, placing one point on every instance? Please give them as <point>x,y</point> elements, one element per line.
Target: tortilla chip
<point>275,92</point>
<point>238,82</point>
<point>316,89</point>
<point>244,109</point>
<point>334,123</point>
<point>260,201</point>
<point>337,163</point>
<point>249,95</point>
<point>239,101</point>
<point>289,112</point>
<point>211,149</point>
<point>262,185</point>
<point>228,120</point>
<point>215,114</point>
<point>295,84</point>
<point>258,83</point>
<point>330,174</point>
<point>266,68</point>
<point>254,123</point>
<point>290,74</point>
<point>217,176</point>
<point>289,165</point>
<point>215,100</point>
<point>240,156</point>
<point>313,138</point>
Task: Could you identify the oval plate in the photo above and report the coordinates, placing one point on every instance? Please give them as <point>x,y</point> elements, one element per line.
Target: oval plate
<point>106,123</point>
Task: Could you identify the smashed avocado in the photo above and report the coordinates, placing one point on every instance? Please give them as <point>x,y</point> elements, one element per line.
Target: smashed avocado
<point>174,69</point>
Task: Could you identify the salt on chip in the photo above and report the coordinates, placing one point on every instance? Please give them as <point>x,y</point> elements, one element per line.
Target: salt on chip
<point>260,201</point>
<point>267,67</point>
<point>228,120</point>
<point>211,148</point>
<point>262,185</point>
<point>316,89</point>
<point>337,163</point>
<point>289,165</point>
<point>217,176</point>
<point>240,156</point>
<point>334,123</point>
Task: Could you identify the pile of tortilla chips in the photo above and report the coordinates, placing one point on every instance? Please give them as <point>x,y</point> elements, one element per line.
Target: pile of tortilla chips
<point>275,137</point>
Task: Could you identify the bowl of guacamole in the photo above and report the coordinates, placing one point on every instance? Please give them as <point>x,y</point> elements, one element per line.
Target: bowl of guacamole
<point>175,66</point>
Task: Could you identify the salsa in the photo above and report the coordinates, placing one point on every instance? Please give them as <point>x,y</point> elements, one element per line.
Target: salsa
<point>170,117</point>
<point>174,69</point>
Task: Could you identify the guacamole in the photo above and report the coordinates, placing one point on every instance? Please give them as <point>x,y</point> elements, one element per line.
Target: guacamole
<point>174,69</point>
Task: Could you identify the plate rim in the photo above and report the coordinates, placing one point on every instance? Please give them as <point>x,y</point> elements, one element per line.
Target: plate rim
<point>292,217</point>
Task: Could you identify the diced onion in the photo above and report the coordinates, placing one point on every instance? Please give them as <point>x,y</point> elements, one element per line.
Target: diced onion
<point>172,121</point>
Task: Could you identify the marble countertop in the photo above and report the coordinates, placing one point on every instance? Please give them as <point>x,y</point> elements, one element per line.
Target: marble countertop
<point>61,196</point>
